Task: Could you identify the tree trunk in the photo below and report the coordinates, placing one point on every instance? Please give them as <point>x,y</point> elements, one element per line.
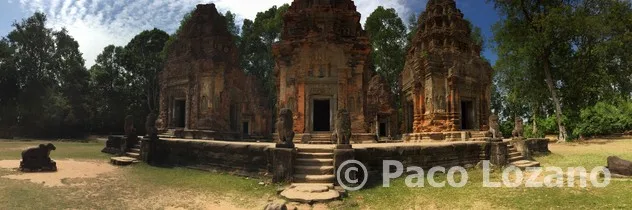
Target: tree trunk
<point>534,130</point>
<point>558,108</point>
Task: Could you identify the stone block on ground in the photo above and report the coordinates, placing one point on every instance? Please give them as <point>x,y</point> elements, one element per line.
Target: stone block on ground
<point>619,166</point>
<point>310,193</point>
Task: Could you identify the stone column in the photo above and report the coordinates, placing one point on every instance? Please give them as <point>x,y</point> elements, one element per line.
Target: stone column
<point>498,153</point>
<point>283,164</point>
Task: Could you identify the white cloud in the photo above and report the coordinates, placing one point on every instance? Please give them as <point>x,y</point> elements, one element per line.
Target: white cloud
<point>98,23</point>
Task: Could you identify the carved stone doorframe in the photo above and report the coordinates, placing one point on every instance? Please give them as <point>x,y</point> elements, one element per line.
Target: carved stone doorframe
<point>309,124</point>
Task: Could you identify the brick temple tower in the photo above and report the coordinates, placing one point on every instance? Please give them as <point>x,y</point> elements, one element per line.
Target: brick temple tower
<point>446,83</point>
<point>203,91</point>
<point>321,67</point>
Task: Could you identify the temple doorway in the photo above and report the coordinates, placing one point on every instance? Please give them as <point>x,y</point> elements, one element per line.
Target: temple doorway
<point>245,128</point>
<point>467,115</point>
<point>179,113</point>
<point>321,115</point>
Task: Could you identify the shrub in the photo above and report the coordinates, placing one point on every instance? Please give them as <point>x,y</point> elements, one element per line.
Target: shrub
<point>605,118</point>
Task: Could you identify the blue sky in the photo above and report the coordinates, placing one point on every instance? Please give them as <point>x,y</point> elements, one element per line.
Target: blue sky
<point>98,23</point>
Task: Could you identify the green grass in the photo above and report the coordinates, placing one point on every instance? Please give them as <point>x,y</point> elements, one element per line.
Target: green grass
<point>12,149</point>
<point>142,186</point>
<point>615,196</point>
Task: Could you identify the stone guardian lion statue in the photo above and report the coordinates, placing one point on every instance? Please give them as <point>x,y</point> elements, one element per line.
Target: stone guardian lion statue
<point>342,132</point>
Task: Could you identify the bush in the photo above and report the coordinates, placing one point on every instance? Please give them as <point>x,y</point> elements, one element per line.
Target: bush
<point>605,118</point>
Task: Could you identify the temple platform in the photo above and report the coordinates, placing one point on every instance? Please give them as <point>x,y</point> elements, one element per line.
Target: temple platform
<point>447,136</point>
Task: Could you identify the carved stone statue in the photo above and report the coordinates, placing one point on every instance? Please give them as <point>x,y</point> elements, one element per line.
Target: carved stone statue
<point>150,126</point>
<point>342,131</point>
<point>38,158</point>
<point>494,127</point>
<point>285,128</point>
<point>518,129</point>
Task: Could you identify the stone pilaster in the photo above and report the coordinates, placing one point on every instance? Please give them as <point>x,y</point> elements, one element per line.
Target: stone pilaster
<point>283,164</point>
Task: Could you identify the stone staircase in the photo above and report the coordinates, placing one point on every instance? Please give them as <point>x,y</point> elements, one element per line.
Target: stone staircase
<point>516,158</point>
<point>313,179</point>
<point>132,155</point>
<point>314,165</point>
<point>321,138</point>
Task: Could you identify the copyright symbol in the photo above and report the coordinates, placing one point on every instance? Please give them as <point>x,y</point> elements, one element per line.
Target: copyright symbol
<point>346,175</point>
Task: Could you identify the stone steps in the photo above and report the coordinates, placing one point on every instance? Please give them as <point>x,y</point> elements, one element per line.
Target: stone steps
<point>135,150</point>
<point>315,170</point>
<point>514,154</point>
<point>133,155</point>
<point>123,161</point>
<point>321,139</point>
<point>314,162</point>
<point>315,150</point>
<point>305,178</point>
<point>516,158</point>
<point>314,165</point>
<point>314,155</point>
<point>310,193</point>
<point>523,164</point>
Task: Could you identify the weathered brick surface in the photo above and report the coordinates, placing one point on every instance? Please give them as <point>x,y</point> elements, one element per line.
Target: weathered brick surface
<point>323,54</point>
<point>443,69</point>
<point>249,158</point>
<point>456,154</point>
<point>202,68</point>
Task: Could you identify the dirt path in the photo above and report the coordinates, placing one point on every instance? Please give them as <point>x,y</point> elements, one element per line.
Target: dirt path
<point>67,169</point>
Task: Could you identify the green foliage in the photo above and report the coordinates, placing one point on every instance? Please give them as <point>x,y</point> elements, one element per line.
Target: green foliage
<point>255,46</point>
<point>389,38</point>
<point>605,118</point>
<point>561,55</point>
<point>45,79</point>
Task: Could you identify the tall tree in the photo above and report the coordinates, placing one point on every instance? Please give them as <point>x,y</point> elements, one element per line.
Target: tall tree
<point>256,42</point>
<point>143,62</point>
<point>533,28</point>
<point>34,48</point>
<point>8,85</point>
<point>109,90</point>
<point>388,36</point>
<point>553,42</point>
<point>73,79</point>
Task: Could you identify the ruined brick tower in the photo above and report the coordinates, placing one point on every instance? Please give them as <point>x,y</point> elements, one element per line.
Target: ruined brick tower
<point>203,92</point>
<point>446,83</point>
<point>321,66</point>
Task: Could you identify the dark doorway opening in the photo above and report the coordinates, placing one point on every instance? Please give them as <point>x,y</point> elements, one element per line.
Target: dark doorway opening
<point>466,115</point>
<point>321,115</point>
<point>245,128</point>
<point>382,131</point>
<point>180,112</point>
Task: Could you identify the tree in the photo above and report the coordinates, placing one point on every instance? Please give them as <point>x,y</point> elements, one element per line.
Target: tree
<point>34,48</point>
<point>8,85</point>
<point>255,46</point>
<point>413,25</point>
<point>232,26</point>
<point>73,79</point>
<point>388,36</point>
<point>143,62</point>
<point>109,90</point>
<point>532,28</point>
<point>552,43</point>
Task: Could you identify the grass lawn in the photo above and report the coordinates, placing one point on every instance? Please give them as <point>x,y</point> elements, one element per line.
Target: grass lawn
<point>145,187</point>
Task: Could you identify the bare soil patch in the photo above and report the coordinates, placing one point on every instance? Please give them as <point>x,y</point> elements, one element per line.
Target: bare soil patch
<point>68,172</point>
